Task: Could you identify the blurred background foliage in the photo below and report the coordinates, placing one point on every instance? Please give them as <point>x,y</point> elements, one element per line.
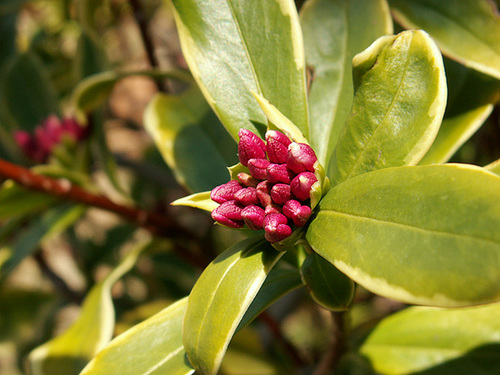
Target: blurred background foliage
<point>47,47</point>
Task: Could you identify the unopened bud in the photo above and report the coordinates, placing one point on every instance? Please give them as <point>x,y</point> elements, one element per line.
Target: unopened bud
<point>277,146</point>
<point>247,196</point>
<point>280,193</point>
<point>276,173</point>
<point>225,192</point>
<point>258,168</point>
<point>297,212</point>
<point>301,185</point>
<point>253,216</point>
<point>228,214</point>
<point>264,193</point>
<point>247,180</point>
<point>276,227</point>
<point>273,209</point>
<point>250,146</point>
<point>301,157</point>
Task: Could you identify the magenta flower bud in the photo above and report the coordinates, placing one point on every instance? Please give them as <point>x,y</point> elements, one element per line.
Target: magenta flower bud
<point>247,196</point>
<point>277,146</point>
<point>297,212</point>
<point>273,209</point>
<point>228,214</point>
<point>250,146</point>
<point>258,168</point>
<point>253,216</point>
<point>301,185</point>
<point>301,157</point>
<point>225,192</point>
<point>264,193</point>
<point>71,128</point>
<point>247,180</point>
<point>276,227</point>
<point>276,173</point>
<point>280,193</point>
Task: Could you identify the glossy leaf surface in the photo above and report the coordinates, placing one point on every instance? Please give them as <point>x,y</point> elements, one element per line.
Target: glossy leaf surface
<point>329,287</point>
<point>494,167</point>
<point>164,353</point>
<point>424,235</point>
<point>466,30</point>
<point>197,200</point>
<point>435,341</point>
<point>470,101</point>
<point>334,31</point>
<point>234,48</point>
<point>70,352</point>
<point>191,139</point>
<point>50,223</point>
<point>399,101</point>
<point>220,298</point>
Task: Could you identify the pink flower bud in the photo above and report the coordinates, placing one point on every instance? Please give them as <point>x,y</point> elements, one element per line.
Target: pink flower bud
<point>297,212</point>
<point>247,196</point>
<point>273,209</point>
<point>301,185</point>
<point>225,192</point>
<point>301,157</point>
<point>276,227</point>
<point>73,129</point>
<point>258,168</point>
<point>279,173</point>
<point>228,214</point>
<point>277,146</point>
<point>280,193</point>
<point>264,193</point>
<point>253,216</point>
<point>250,146</point>
<point>247,180</point>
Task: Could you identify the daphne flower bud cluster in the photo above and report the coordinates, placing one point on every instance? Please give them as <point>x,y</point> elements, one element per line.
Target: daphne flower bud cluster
<point>275,193</point>
<point>39,145</point>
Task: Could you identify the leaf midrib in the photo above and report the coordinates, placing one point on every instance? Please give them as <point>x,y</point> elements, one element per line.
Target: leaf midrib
<point>411,227</point>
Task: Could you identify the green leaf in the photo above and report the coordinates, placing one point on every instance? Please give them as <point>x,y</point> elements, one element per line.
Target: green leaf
<point>471,100</point>
<point>424,235</point>
<point>234,48</point>
<point>437,341</point>
<point>191,139</point>
<point>90,56</point>
<point>329,287</point>
<point>197,200</point>
<point>16,201</point>
<point>494,167</point>
<point>334,31</point>
<point>47,225</point>
<point>94,91</point>
<point>164,353</point>
<point>70,352</point>
<point>279,282</point>
<point>467,31</point>
<point>220,298</point>
<point>400,96</point>
<point>25,84</point>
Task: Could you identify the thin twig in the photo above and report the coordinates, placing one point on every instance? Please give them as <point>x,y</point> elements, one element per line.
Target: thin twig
<point>158,225</point>
<point>142,22</point>
<point>331,358</point>
<point>275,329</point>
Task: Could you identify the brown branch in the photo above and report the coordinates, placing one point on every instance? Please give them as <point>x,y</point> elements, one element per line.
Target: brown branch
<point>330,359</point>
<point>157,224</point>
<point>142,22</point>
<point>275,329</point>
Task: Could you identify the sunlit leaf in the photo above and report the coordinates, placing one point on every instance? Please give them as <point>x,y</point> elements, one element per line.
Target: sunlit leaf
<point>435,341</point>
<point>50,223</point>
<point>334,31</point>
<point>197,200</point>
<point>329,287</point>
<point>70,352</point>
<point>465,30</point>
<point>494,167</point>
<point>220,299</point>
<point>234,48</point>
<point>424,235</point>
<point>470,101</point>
<point>399,101</point>
<point>191,139</point>
<point>164,353</point>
